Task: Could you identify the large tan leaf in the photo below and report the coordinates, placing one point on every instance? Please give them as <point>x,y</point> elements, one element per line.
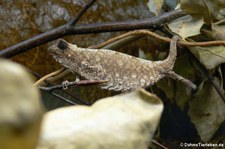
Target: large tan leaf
<point>218,31</point>
<point>186,26</point>
<point>209,9</point>
<point>210,56</point>
<point>126,121</point>
<point>196,8</point>
<point>216,8</point>
<point>207,110</point>
<point>155,6</point>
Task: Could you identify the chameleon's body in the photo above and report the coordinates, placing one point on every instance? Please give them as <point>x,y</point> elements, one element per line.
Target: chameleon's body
<point>121,71</point>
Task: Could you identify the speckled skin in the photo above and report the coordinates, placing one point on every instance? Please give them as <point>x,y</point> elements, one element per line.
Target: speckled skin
<point>122,72</point>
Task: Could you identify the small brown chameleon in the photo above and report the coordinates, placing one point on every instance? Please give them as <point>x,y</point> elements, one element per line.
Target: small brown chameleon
<point>121,71</point>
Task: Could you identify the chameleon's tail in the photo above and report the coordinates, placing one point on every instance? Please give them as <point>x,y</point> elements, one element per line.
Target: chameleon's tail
<point>168,63</point>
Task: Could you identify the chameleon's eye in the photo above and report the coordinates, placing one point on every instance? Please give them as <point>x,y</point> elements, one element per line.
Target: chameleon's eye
<point>62,45</point>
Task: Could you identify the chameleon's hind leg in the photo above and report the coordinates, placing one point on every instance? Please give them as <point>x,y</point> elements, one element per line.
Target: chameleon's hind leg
<point>190,86</point>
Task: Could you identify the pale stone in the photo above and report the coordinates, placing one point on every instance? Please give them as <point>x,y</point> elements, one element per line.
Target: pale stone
<point>126,121</point>
<point>20,108</point>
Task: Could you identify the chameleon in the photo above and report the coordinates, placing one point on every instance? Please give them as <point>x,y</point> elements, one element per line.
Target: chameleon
<point>122,72</point>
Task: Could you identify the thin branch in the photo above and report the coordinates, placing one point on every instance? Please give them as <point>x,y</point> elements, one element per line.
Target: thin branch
<point>37,83</point>
<point>158,144</point>
<point>85,8</point>
<point>44,37</point>
<point>59,76</point>
<point>120,43</point>
<point>58,96</point>
<point>117,38</point>
<point>62,98</point>
<point>207,74</point>
<point>165,39</point>
<point>168,143</point>
<point>67,29</point>
<point>73,83</point>
<point>147,23</point>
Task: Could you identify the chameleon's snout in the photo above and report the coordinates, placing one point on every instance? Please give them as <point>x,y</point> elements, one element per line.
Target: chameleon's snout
<point>62,45</point>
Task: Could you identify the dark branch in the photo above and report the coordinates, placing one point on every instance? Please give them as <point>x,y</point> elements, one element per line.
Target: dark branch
<point>74,21</point>
<point>78,100</point>
<point>62,98</point>
<point>126,25</point>
<point>44,37</point>
<point>158,144</point>
<point>207,74</point>
<point>67,29</point>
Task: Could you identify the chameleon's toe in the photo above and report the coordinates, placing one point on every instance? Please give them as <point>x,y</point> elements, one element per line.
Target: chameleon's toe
<point>65,85</point>
<point>192,89</point>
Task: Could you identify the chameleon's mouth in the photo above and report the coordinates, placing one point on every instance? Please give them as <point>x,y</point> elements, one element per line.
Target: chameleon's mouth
<point>54,51</point>
<point>51,49</point>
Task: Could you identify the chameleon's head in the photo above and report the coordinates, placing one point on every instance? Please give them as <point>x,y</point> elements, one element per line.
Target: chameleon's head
<point>61,50</point>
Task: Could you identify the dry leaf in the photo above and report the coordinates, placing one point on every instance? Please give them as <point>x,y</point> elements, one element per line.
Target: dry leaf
<point>197,8</point>
<point>155,6</point>
<point>210,56</point>
<point>207,110</point>
<point>187,26</point>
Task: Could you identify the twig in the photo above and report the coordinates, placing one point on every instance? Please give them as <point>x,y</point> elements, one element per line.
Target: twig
<point>44,37</point>
<point>114,39</point>
<point>147,23</point>
<point>158,144</point>
<point>116,44</point>
<point>37,83</point>
<point>60,97</point>
<point>59,76</point>
<point>168,143</point>
<point>165,39</point>
<point>73,83</point>
<point>207,74</point>
<point>67,29</point>
<point>85,8</point>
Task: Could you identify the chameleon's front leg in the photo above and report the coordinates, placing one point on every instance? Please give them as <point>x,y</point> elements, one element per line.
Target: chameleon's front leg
<point>190,86</point>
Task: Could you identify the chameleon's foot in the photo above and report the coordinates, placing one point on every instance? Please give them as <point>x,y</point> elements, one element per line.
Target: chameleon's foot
<point>191,89</point>
<point>65,85</point>
<point>77,79</point>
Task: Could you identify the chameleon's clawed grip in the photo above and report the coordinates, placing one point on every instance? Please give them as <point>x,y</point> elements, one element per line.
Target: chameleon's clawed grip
<point>191,90</point>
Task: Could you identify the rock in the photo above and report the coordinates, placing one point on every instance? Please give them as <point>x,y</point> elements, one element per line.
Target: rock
<point>20,108</point>
<point>126,121</point>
